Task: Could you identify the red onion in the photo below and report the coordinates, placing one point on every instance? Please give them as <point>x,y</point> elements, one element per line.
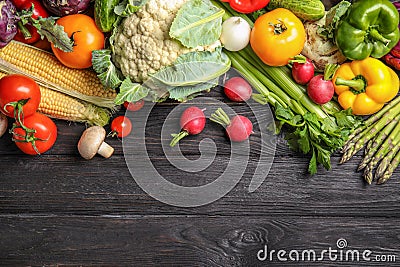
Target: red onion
<point>66,7</point>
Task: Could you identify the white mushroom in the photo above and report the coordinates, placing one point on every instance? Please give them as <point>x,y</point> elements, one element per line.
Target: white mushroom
<point>3,124</point>
<point>92,143</point>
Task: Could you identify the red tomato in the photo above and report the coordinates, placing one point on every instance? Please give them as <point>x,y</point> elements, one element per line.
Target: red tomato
<point>42,139</point>
<point>277,37</point>
<point>35,36</point>
<point>87,37</point>
<point>134,106</point>
<point>15,88</point>
<point>20,3</point>
<point>43,44</point>
<point>121,126</point>
<point>38,11</point>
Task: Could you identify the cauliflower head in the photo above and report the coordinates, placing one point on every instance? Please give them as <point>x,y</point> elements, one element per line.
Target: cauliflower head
<point>142,44</point>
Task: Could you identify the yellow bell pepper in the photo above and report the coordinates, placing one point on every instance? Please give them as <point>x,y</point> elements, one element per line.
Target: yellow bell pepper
<point>365,85</point>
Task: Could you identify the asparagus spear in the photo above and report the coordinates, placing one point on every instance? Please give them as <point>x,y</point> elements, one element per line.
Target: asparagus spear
<point>369,145</point>
<point>390,143</point>
<point>359,141</point>
<point>389,112</point>
<point>385,111</point>
<point>390,169</point>
<point>376,144</point>
<point>368,175</point>
<point>353,145</point>
<point>384,164</point>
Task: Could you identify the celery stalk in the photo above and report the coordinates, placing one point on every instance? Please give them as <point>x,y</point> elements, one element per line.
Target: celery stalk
<point>311,129</point>
<point>280,77</point>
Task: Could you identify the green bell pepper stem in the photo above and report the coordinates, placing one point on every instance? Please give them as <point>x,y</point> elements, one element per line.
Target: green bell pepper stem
<point>377,36</point>
<point>357,84</point>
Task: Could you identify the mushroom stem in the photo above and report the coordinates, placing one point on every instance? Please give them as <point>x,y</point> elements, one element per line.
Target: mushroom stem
<point>105,150</point>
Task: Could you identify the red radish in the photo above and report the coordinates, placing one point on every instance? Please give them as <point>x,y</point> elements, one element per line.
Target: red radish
<point>320,90</point>
<point>302,71</point>
<point>192,122</point>
<point>134,106</point>
<point>237,89</point>
<point>238,129</point>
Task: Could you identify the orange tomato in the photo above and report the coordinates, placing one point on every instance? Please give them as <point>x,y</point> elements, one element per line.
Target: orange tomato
<point>86,36</point>
<point>277,36</point>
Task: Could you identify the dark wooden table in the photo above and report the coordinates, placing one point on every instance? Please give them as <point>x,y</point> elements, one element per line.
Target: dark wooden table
<point>59,209</point>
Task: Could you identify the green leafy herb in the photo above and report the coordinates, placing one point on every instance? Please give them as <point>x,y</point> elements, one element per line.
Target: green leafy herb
<point>48,28</point>
<point>197,23</point>
<point>54,33</point>
<point>309,134</point>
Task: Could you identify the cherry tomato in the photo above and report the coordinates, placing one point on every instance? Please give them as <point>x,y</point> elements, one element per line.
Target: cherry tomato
<point>237,89</point>
<point>134,106</point>
<point>15,88</point>
<point>42,139</point>
<point>121,126</point>
<point>277,36</point>
<point>87,37</point>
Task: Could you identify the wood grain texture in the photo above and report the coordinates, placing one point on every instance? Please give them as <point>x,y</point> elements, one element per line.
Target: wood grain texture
<point>60,184</point>
<point>58,209</point>
<point>189,241</point>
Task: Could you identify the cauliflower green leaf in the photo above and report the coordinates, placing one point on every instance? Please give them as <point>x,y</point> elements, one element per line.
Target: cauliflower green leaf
<point>193,68</point>
<point>128,7</point>
<point>131,92</point>
<point>197,23</point>
<point>105,68</point>
<point>185,93</point>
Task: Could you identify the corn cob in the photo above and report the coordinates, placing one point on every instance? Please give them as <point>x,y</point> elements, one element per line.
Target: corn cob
<point>46,70</point>
<point>61,106</point>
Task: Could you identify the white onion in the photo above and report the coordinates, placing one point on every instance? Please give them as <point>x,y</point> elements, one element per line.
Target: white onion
<point>235,34</point>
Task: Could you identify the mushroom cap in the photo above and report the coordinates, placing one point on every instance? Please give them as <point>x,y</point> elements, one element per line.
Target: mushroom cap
<point>90,141</point>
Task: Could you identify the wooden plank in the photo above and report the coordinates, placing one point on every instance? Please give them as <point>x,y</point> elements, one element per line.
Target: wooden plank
<point>69,133</point>
<point>194,240</point>
<point>60,184</point>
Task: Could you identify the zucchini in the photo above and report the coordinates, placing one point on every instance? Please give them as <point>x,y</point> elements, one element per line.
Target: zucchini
<point>309,10</point>
<point>104,14</point>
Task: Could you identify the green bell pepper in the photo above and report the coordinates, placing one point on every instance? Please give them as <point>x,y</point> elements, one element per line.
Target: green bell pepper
<point>370,28</point>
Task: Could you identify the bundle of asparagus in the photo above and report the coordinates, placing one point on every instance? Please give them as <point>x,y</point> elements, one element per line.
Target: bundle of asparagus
<point>380,134</point>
